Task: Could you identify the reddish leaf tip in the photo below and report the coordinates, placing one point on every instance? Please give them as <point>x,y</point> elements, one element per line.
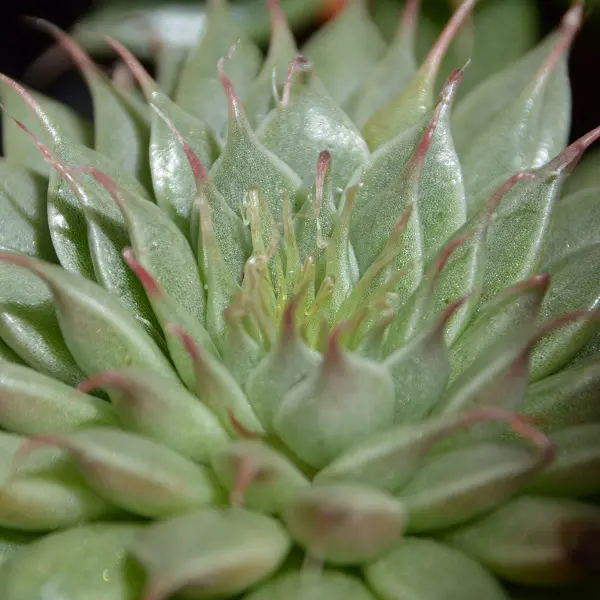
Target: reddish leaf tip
<point>298,64</point>
<point>190,344</point>
<point>241,430</point>
<point>149,283</point>
<point>497,197</point>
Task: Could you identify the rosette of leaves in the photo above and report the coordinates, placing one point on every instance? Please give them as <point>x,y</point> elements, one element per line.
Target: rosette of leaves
<point>301,329</point>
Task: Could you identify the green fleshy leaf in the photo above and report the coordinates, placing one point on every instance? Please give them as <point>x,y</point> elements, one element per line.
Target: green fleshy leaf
<point>586,174</point>
<point>97,329</point>
<point>245,163</point>
<point>198,91</point>
<point>288,362</point>
<point>527,209</point>
<point>154,407</point>
<point>345,523</point>
<point>421,369</point>
<point>258,476</point>
<point>413,103</point>
<point>170,314</point>
<point>575,225</point>
<point>308,121</point>
<point>212,553</point>
<point>61,562</point>
<point>169,62</point>
<point>28,325</point>
<point>339,61</point>
<point>44,492</point>
<point>7,354</point>
<point>533,540</point>
<point>260,99</point>
<point>11,542</point>
<point>408,572</point>
<point>574,286</point>
<point>527,119</point>
<point>515,310</point>
<point>23,212</point>
<point>336,391</point>
<point>159,246</point>
<point>568,398</point>
<point>31,404</point>
<point>296,585</point>
<point>61,121</point>
<point>394,71</point>
<point>136,473</point>
<point>576,471</point>
<point>217,388</point>
<point>172,177</point>
<point>457,486</point>
<point>121,130</point>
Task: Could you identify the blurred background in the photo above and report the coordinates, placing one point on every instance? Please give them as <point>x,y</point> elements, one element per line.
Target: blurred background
<point>504,30</point>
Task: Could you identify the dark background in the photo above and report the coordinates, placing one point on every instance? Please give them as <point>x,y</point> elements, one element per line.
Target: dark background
<point>19,45</point>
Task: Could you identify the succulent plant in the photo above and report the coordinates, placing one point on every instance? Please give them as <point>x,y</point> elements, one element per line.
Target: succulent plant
<point>300,329</point>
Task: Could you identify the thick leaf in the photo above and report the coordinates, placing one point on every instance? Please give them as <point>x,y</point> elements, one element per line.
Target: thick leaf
<point>121,130</point>
<point>459,485</point>
<point>137,474</point>
<point>297,585</point>
<point>61,121</point>
<point>44,492</point>
<point>31,404</point>
<point>282,48</point>
<point>518,119</point>
<point>393,72</point>
<point>159,246</point>
<point>7,354</point>
<point>245,163</point>
<point>97,329</point>
<point>23,212</point>
<point>89,561</point>
<point>575,225</point>
<point>199,92</point>
<point>156,408</point>
<point>308,121</point>
<point>534,540</point>
<point>11,542</point>
<point>413,103</point>
<point>28,325</point>
<point>213,552</point>
<point>574,285</point>
<point>514,310</point>
<point>527,209</point>
<point>568,398</point>
<point>330,405</point>
<point>428,570</point>
<point>576,471</point>
<point>340,62</point>
<point>345,523</point>
<point>172,176</point>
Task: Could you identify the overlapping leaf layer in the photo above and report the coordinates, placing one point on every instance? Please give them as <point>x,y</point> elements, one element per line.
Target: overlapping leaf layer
<point>300,329</point>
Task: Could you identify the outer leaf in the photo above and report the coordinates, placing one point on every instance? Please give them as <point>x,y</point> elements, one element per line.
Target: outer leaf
<point>528,130</point>
<point>120,128</point>
<point>28,325</point>
<point>88,561</point>
<point>282,48</point>
<point>296,585</point>
<point>536,540</point>
<point>97,329</point>
<point>575,225</point>
<point>393,72</point>
<point>574,286</point>
<point>31,403</point>
<point>245,163</point>
<point>23,212</point>
<point>308,121</point>
<point>199,92</point>
<point>137,474</point>
<point>11,542</point>
<point>568,398</point>
<point>213,552</point>
<point>61,121</point>
<point>339,60</point>
<point>154,407</point>
<point>416,100</point>
<point>406,572</point>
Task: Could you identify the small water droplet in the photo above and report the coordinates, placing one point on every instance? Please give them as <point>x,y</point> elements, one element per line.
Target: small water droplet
<point>106,575</point>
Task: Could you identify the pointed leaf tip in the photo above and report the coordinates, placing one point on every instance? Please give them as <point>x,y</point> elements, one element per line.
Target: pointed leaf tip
<point>150,285</point>
<point>298,64</point>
